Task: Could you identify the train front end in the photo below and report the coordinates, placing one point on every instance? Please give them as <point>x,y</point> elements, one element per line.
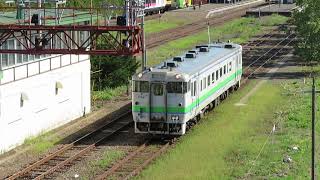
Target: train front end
<point>159,101</point>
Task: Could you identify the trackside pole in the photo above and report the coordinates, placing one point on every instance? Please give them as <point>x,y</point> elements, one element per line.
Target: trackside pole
<point>144,52</point>
<point>209,39</point>
<point>313,129</point>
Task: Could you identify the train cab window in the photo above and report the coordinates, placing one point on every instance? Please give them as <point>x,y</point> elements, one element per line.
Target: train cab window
<point>230,66</point>
<point>217,75</point>
<point>157,89</point>
<point>224,69</point>
<point>209,81</point>
<point>212,77</point>
<point>177,87</point>
<point>220,72</point>
<point>140,86</point>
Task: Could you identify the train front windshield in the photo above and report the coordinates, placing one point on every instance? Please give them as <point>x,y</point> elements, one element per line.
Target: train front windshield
<point>177,87</point>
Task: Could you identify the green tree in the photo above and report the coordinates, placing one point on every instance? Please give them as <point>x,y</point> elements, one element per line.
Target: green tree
<point>112,71</point>
<point>307,21</point>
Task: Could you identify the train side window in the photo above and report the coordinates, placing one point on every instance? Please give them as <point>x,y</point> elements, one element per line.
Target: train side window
<point>194,88</point>
<point>224,69</point>
<point>201,86</point>
<point>230,66</point>
<point>220,72</point>
<point>209,81</point>
<point>140,86</point>
<point>204,82</point>
<point>189,84</point>
<point>212,76</point>
<point>217,75</point>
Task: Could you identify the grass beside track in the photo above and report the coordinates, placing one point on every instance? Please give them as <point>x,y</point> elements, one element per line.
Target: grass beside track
<point>238,31</point>
<point>155,26</point>
<point>205,151</point>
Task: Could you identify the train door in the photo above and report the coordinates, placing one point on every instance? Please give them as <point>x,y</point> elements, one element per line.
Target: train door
<point>194,102</point>
<point>158,102</point>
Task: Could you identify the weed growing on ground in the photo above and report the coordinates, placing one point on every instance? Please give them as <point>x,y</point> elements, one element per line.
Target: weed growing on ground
<point>40,143</point>
<point>105,161</point>
<point>108,93</point>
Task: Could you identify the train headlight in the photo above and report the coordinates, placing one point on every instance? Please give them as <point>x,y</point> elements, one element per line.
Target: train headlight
<point>178,76</point>
<point>140,75</point>
<point>174,118</point>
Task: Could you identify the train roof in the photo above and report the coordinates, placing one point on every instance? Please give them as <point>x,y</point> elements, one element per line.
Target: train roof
<point>199,58</point>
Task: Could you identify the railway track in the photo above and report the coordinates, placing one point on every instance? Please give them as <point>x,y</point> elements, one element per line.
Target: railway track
<point>157,39</point>
<point>256,64</point>
<point>69,153</point>
<point>135,161</point>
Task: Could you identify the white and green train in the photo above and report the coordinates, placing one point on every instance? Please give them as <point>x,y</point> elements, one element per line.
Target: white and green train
<point>170,96</point>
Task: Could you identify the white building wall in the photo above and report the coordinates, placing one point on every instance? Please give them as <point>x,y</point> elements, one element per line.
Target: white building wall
<point>43,109</point>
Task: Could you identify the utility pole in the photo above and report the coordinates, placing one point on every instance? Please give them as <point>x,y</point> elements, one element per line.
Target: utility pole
<point>313,128</point>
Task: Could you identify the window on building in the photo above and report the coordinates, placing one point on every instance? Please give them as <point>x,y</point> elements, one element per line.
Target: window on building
<point>4,57</point>
<point>140,86</point>
<point>209,81</point>
<point>12,59</point>
<point>19,56</point>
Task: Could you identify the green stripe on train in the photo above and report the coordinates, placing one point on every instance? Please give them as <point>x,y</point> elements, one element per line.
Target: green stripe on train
<point>146,109</point>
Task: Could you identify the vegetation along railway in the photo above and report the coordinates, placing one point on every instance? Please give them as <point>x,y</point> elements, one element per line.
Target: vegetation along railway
<point>135,160</point>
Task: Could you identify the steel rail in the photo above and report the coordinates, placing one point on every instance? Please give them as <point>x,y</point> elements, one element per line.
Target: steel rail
<point>267,52</point>
<point>129,157</point>
<point>148,161</point>
<point>70,146</point>
<point>265,62</point>
<point>195,27</point>
<point>122,162</point>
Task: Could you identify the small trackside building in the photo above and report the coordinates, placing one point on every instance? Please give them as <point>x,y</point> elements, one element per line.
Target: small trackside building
<point>41,92</point>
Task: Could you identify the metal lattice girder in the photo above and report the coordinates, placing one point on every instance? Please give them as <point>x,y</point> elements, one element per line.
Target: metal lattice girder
<point>70,39</point>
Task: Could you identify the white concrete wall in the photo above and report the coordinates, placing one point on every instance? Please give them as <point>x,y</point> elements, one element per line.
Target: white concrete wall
<point>44,109</point>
